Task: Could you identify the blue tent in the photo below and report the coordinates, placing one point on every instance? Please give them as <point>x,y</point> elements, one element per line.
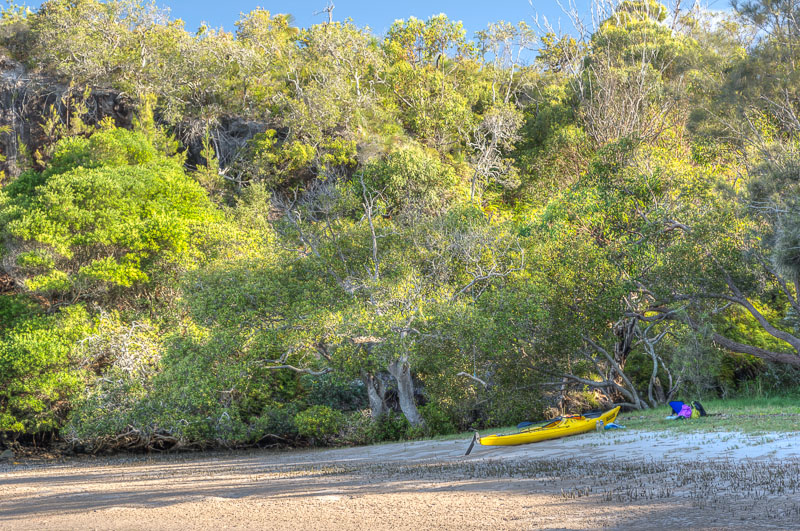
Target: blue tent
<point>676,406</point>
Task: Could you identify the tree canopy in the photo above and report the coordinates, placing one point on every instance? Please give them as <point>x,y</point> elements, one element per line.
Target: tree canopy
<point>285,235</point>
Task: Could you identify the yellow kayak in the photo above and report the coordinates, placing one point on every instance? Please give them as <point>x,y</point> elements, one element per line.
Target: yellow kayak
<point>561,427</point>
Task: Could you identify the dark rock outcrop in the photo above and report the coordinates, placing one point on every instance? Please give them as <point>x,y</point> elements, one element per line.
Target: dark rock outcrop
<point>25,100</point>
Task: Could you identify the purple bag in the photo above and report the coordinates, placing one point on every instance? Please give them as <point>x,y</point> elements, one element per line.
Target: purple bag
<point>686,411</point>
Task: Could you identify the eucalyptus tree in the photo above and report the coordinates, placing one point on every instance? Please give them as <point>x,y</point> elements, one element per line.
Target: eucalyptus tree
<point>395,264</point>
<point>505,48</point>
<point>491,142</point>
<point>743,265</point>
<point>607,249</point>
<point>332,82</point>
<point>432,76</point>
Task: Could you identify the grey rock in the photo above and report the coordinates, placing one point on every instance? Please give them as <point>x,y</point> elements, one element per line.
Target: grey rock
<point>8,455</point>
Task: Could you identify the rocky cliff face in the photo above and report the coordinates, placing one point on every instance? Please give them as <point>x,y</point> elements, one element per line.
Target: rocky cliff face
<point>229,134</point>
<point>25,99</point>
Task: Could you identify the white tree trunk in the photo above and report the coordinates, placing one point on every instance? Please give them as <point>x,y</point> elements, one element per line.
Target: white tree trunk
<point>376,392</point>
<point>400,369</point>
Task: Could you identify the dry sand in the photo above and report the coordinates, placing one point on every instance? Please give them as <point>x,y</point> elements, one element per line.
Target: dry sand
<point>619,480</point>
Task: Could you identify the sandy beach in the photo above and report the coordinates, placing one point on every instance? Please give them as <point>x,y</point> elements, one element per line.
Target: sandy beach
<point>619,480</point>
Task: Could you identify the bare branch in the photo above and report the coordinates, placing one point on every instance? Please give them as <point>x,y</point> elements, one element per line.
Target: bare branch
<point>475,378</point>
<point>312,372</point>
<point>735,346</point>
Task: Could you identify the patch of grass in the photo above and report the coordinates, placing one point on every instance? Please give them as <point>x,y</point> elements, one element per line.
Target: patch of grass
<point>752,416</point>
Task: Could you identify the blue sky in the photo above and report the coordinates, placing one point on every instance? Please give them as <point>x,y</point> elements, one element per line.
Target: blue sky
<point>376,14</point>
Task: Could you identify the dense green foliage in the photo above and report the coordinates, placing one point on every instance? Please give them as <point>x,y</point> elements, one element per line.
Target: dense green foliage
<point>109,212</point>
<point>40,374</point>
<point>321,236</point>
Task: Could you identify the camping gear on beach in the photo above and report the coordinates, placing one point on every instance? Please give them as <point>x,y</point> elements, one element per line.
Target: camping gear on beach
<point>556,428</point>
<point>685,411</point>
<point>676,406</point>
<point>699,408</point>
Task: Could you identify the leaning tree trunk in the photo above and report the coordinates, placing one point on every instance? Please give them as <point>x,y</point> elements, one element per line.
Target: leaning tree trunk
<point>400,369</point>
<point>562,396</point>
<point>624,330</point>
<point>376,392</point>
<point>617,386</point>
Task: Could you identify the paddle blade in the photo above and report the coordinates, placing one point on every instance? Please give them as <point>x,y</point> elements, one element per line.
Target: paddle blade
<point>474,438</point>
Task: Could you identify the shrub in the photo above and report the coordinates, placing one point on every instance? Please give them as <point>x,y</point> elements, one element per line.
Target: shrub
<point>319,423</point>
<point>437,422</point>
<point>38,374</point>
<point>357,428</point>
<point>278,421</point>
<point>108,213</point>
<point>332,391</point>
<point>411,177</point>
<point>15,309</point>
<point>390,426</point>
<point>106,409</point>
